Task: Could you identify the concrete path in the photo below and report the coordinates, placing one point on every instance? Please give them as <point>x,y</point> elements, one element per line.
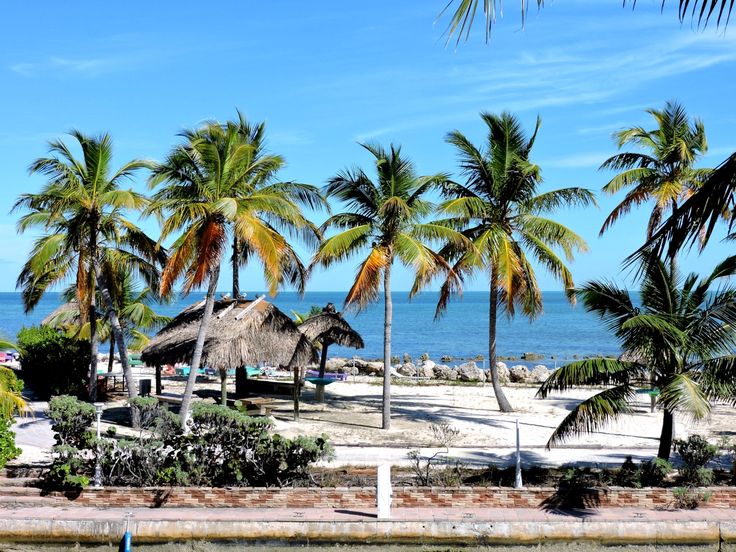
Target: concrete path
<point>33,434</point>
<point>408,525</point>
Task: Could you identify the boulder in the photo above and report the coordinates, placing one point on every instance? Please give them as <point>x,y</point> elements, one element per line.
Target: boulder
<point>334,364</point>
<point>442,371</point>
<point>539,374</point>
<point>470,372</point>
<point>519,374</point>
<point>407,369</point>
<point>372,368</point>
<point>426,370</point>
<point>503,372</point>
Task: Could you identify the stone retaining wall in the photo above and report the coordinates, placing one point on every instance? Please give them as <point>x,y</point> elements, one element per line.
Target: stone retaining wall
<point>403,497</point>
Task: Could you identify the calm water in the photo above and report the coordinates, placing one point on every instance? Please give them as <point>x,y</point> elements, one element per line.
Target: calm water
<point>563,330</point>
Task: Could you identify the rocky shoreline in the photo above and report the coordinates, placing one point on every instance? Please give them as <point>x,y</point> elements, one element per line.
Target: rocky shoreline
<point>429,369</point>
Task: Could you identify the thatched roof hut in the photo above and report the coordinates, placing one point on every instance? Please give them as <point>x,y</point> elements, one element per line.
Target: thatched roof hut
<point>65,315</point>
<point>330,326</point>
<point>241,332</point>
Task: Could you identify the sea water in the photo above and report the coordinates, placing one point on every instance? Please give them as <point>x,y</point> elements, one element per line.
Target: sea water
<point>562,333</point>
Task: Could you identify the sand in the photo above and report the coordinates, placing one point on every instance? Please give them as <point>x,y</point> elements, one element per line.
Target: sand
<point>351,416</point>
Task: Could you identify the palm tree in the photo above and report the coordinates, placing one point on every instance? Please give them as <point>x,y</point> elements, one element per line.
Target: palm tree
<point>205,199</point>
<point>701,12</point>
<point>258,185</point>
<point>385,220</point>
<point>664,174</point>
<point>500,212</point>
<point>82,210</point>
<point>679,340</point>
<point>695,220</point>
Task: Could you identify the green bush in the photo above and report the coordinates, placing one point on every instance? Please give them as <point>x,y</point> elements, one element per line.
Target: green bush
<point>71,420</point>
<point>687,498</point>
<point>9,381</point>
<point>696,452</point>
<point>8,450</point>
<point>54,363</point>
<point>223,447</point>
<point>651,473</point>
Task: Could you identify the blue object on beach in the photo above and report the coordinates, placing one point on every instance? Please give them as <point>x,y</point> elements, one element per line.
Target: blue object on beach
<point>127,544</point>
<point>321,381</point>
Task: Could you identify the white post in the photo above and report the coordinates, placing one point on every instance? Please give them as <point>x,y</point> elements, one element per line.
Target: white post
<point>98,467</point>
<point>383,491</point>
<point>517,480</point>
<point>98,411</point>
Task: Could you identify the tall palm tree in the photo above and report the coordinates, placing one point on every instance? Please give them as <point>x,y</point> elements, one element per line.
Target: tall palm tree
<point>665,173</point>
<point>257,184</point>
<point>677,338</point>
<point>694,220</point>
<point>82,210</point>
<point>501,212</point>
<point>701,12</point>
<point>386,220</point>
<point>203,199</point>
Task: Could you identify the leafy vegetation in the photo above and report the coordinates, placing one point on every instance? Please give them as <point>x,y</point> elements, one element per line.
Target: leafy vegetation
<point>53,362</point>
<point>223,447</point>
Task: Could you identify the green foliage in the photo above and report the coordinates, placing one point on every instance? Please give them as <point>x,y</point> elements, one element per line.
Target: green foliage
<point>696,452</point>
<point>11,401</point>
<point>224,447</point>
<point>53,363</point>
<point>9,381</point>
<point>8,450</point>
<point>68,470</point>
<point>651,473</point>
<point>585,478</point>
<point>687,498</point>
<point>71,420</point>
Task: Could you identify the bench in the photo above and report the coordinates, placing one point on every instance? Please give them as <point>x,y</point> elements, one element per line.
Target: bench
<point>257,405</point>
<point>169,400</point>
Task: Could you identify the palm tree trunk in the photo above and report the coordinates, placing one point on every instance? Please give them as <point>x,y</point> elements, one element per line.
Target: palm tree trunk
<point>209,306</point>
<point>117,334</point>
<point>223,387</point>
<point>320,392</point>
<point>387,319</point>
<point>665,438</point>
<point>92,312</point>
<point>236,266</point>
<point>111,358</point>
<point>503,403</point>
<point>295,395</point>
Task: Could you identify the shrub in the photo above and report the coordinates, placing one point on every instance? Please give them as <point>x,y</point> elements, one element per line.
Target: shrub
<point>696,452</point>
<point>687,498</point>
<point>53,363</point>
<point>651,473</point>
<point>9,381</point>
<point>68,470</point>
<point>8,450</point>
<point>11,387</point>
<point>71,420</point>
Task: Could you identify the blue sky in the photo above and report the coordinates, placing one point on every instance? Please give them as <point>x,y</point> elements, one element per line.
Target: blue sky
<point>324,75</point>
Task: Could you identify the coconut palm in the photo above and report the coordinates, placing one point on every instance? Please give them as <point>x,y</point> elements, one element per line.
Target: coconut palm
<point>385,220</point>
<point>501,212</point>
<point>702,12</point>
<point>82,212</point>
<point>205,199</point>
<point>694,220</point>
<point>665,173</point>
<point>678,339</point>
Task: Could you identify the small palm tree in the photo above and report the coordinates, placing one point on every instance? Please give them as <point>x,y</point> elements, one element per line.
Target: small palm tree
<point>82,210</point>
<point>665,174</point>
<point>678,341</point>
<point>206,198</point>
<point>384,219</point>
<point>502,215</point>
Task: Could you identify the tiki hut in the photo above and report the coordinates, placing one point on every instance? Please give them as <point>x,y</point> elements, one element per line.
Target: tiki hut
<point>329,328</point>
<point>64,316</point>
<point>241,332</point>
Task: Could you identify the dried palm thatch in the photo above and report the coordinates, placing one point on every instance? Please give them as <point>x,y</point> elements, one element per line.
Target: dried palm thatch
<point>64,316</point>
<point>331,328</point>
<point>240,333</point>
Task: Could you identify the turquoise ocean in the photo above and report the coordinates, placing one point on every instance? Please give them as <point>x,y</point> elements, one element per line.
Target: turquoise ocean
<point>563,331</point>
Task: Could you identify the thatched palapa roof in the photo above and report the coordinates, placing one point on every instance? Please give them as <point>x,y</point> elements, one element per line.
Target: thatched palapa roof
<point>240,333</point>
<point>331,326</point>
<point>66,314</point>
